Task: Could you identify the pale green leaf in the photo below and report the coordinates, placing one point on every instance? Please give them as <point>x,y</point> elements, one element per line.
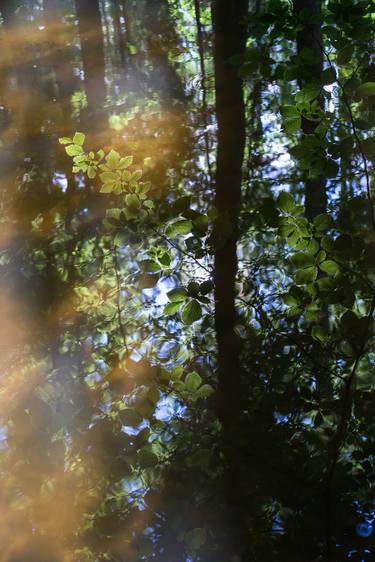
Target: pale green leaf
<point>79,138</point>
<point>193,381</point>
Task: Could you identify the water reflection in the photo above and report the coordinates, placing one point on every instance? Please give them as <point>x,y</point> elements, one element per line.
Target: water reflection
<point>62,70</point>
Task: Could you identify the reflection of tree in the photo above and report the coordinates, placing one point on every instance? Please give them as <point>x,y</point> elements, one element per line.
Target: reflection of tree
<point>104,447</point>
<point>92,48</point>
<point>230,38</point>
<point>311,39</point>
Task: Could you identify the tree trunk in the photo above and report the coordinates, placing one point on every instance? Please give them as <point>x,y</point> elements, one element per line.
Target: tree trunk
<point>310,37</point>
<point>92,45</point>
<point>116,11</point>
<point>205,114</point>
<point>229,39</point>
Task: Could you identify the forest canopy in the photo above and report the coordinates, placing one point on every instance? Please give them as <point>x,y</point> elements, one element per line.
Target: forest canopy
<point>187,280</point>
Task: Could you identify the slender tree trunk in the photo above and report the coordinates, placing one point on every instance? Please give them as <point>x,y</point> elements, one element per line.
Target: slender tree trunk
<point>229,39</point>
<point>119,32</point>
<point>205,115</point>
<point>310,37</point>
<point>92,45</point>
<point>159,37</point>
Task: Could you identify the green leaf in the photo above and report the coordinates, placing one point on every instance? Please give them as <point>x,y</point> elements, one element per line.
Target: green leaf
<point>149,266</point>
<point>305,276</point>
<point>136,175</point>
<point>172,308</point>
<point>113,159</point>
<point>147,459</point>
<point>326,284</point>
<point>65,140</point>
<point>330,267</point>
<point>91,172</point>
<point>323,222</point>
<point>109,177</point>
<point>132,200</point>
<point>366,89</point>
<point>107,187</point>
<point>285,202</point>
<point>177,295</point>
<point>79,138</point>
<point>205,391</point>
<point>125,162</point>
<point>312,247</point>
<point>290,300</point>
<point>121,239</point>
<point>291,118</point>
<point>290,111</point>
<point>193,381</point>
<point>191,312</point>
<point>165,258</point>
<point>308,93</point>
<point>302,260</point>
<point>318,333</point>
<point>292,125</point>
<point>74,150</point>
<point>182,227</point>
<point>206,287</point>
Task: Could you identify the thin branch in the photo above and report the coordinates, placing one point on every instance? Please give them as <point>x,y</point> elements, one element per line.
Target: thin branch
<point>187,254</point>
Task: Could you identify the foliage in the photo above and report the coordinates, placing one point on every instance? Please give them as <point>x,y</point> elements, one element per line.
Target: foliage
<point>111,446</point>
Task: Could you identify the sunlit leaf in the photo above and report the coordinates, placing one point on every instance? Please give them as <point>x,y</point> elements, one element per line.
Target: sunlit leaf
<point>177,295</point>
<point>191,312</point>
<point>181,227</point>
<point>329,267</point>
<point>285,202</point>
<point>73,150</point>
<point>79,138</point>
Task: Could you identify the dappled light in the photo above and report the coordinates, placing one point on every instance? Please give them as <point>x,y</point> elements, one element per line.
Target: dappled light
<point>187,281</point>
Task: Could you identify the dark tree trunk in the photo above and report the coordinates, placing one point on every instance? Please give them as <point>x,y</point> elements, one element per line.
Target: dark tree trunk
<point>229,39</point>
<point>160,37</point>
<point>92,45</point>
<point>310,37</point>
<point>205,115</point>
<point>60,62</point>
<point>119,31</point>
